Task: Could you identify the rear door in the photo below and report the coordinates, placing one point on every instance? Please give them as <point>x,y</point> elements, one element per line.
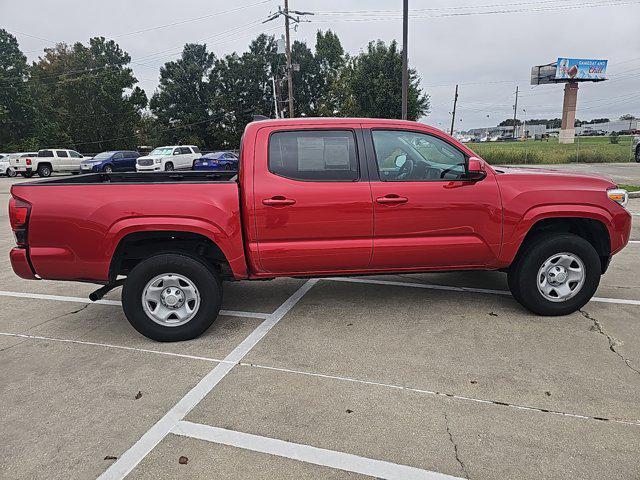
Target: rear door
<point>426,214</point>
<point>312,201</point>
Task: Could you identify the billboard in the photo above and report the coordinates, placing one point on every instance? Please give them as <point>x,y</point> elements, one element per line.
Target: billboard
<point>580,69</point>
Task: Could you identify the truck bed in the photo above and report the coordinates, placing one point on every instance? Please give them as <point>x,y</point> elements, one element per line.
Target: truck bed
<point>140,178</point>
<point>76,223</point>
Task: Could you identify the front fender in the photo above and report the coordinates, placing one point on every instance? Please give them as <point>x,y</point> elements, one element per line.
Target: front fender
<point>518,232</point>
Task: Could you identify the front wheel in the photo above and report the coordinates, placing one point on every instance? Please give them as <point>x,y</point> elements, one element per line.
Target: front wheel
<point>168,167</point>
<point>638,154</point>
<point>171,297</point>
<point>108,169</point>
<point>555,274</point>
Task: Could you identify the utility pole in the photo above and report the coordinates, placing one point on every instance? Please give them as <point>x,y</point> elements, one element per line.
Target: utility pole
<point>515,114</point>
<point>288,18</point>
<point>453,117</point>
<point>405,59</point>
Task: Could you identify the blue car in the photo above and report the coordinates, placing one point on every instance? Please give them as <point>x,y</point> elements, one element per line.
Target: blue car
<point>217,161</point>
<point>115,161</point>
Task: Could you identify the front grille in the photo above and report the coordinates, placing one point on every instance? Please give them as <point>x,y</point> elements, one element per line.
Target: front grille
<point>145,162</point>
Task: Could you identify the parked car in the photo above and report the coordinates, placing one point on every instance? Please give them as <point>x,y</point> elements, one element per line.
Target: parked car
<point>177,157</point>
<point>49,160</point>
<point>636,148</point>
<point>113,161</point>
<point>5,165</point>
<point>14,161</point>
<point>319,197</point>
<point>217,161</point>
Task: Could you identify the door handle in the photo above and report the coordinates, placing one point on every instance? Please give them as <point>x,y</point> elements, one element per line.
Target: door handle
<point>392,199</point>
<point>278,201</point>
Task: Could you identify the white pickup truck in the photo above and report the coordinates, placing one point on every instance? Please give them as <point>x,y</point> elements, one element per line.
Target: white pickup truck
<point>47,161</point>
<point>175,157</point>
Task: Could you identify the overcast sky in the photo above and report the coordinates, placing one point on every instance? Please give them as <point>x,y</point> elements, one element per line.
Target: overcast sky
<point>460,41</point>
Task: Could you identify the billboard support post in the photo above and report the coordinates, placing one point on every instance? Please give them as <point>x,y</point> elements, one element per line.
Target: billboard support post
<point>568,129</point>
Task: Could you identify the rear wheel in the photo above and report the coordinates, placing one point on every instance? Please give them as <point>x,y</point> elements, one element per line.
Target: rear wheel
<point>171,297</point>
<point>44,170</point>
<point>168,167</point>
<point>10,172</point>
<point>555,275</point>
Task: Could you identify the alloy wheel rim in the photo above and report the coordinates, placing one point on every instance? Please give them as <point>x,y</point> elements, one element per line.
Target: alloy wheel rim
<point>170,299</point>
<point>561,277</point>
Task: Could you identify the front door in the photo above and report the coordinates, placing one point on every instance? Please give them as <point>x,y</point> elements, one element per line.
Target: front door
<point>426,214</point>
<point>312,200</point>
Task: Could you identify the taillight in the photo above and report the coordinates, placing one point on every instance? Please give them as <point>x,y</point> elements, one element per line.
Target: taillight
<point>28,161</point>
<point>19,218</point>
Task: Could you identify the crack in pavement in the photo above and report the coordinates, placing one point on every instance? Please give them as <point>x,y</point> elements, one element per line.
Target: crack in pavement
<point>42,323</point>
<point>613,342</point>
<point>455,446</point>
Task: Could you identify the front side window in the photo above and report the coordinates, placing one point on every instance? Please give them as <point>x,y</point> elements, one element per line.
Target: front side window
<point>404,156</point>
<point>62,154</point>
<point>74,154</point>
<point>321,155</point>
<point>195,149</point>
<point>118,156</point>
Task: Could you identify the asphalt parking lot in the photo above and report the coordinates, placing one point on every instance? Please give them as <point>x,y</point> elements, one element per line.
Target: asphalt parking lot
<point>425,376</point>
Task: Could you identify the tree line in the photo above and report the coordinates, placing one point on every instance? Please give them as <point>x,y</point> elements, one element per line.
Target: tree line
<point>87,97</point>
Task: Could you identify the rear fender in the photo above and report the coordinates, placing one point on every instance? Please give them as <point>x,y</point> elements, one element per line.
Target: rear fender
<point>230,247</point>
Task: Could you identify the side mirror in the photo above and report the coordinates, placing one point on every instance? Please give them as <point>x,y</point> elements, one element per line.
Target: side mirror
<point>176,152</point>
<point>476,170</point>
<point>401,160</point>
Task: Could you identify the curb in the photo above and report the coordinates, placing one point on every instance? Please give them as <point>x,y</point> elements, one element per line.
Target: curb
<point>634,194</point>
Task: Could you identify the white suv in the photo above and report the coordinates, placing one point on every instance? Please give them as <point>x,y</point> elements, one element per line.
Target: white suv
<point>47,161</point>
<point>176,157</point>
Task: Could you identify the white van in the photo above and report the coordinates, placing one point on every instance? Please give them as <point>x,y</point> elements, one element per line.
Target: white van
<point>166,159</point>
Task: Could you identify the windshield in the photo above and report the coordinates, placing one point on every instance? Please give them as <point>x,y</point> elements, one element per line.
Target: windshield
<point>161,151</point>
<point>102,156</point>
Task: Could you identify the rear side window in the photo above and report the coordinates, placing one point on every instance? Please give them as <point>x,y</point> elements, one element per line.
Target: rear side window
<point>321,155</point>
<point>62,154</point>
<point>131,154</point>
<point>45,153</point>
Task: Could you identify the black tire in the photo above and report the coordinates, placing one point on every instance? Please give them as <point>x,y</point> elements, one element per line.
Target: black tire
<point>10,172</point>
<point>44,170</point>
<point>108,169</point>
<point>168,167</point>
<point>638,154</point>
<point>523,274</point>
<point>228,167</point>
<point>206,281</point>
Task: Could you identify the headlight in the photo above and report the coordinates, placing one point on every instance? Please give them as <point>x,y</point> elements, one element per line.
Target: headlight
<point>158,160</point>
<point>618,195</point>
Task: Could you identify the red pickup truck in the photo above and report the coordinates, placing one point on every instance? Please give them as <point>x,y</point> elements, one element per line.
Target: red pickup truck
<point>318,197</point>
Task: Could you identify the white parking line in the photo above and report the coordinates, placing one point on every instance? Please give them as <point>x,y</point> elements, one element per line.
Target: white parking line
<point>634,241</point>
<point>59,298</point>
<point>428,286</point>
<point>108,345</point>
<point>306,453</point>
<point>129,459</point>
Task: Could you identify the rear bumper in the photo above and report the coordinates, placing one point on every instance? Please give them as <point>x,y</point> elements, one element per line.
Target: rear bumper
<point>23,169</point>
<point>20,263</point>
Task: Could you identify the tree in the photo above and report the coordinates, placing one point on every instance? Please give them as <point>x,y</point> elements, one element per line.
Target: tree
<point>628,117</point>
<point>241,87</point>
<point>86,97</point>
<point>331,61</point>
<point>181,103</point>
<point>16,107</point>
<point>509,123</point>
<point>374,84</point>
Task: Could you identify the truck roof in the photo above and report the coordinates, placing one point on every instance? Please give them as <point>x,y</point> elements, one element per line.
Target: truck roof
<point>328,121</point>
